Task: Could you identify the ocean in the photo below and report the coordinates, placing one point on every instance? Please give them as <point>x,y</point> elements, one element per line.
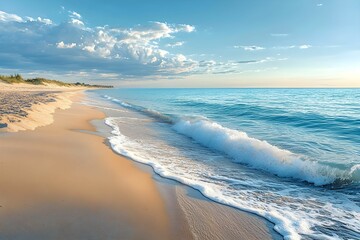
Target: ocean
<point>291,156</point>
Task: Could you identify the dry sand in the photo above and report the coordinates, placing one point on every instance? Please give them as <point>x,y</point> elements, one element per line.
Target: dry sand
<point>26,106</point>
<point>60,183</point>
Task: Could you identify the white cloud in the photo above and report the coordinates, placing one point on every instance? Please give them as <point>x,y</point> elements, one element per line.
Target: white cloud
<point>228,67</point>
<point>175,44</point>
<point>39,19</point>
<point>76,22</point>
<point>250,48</point>
<point>258,70</point>
<point>319,5</point>
<point>268,59</point>
<point>89,48</point>
<point>186,28</point>
<point>103,51</point>
<point>151,32</point>
<point>279,34</point>
<point>109,75</point>
<point>63,45</point>
<point>285,47</point>
<point>304,46</point>
<point>44,20</point>
<point>124,51</point>
<point>74,14</point>
<point>180,58</point>
<point>7,17</point>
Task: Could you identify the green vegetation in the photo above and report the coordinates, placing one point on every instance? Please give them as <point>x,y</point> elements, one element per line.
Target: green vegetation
<point>12,78</point>
<point>17,78</point>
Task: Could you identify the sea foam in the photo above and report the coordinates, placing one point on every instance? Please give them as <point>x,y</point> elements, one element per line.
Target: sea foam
<point>256,153</point>
<point>288,222</point>
<point>243,149</point>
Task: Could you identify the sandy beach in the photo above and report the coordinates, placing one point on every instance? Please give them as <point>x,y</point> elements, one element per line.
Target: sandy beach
<point>26,107</point>
<point>61,180</point>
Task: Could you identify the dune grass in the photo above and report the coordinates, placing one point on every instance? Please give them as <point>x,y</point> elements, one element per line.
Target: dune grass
<point>17,78</point>
<point>12,79</point>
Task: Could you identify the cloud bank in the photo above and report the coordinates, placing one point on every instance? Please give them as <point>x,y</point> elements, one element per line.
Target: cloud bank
<point>74,49</point>
<point>36,44</point>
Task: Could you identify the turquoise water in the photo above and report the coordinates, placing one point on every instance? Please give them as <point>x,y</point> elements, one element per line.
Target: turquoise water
<point>289,155</point>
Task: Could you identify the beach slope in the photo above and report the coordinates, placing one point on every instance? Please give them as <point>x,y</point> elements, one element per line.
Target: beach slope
<point>62,182</point>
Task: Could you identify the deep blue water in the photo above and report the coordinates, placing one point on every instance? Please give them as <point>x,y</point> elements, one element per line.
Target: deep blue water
<point>289,155</point>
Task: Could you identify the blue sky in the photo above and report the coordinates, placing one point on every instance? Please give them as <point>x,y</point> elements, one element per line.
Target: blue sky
<point>258,43</point>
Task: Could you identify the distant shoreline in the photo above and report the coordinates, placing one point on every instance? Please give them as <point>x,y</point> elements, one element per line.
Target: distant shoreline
<point>17,78</point>
<point>30,103</point>
<point>27,106</point>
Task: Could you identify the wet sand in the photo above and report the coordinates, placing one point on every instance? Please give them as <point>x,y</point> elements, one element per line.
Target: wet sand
<point>193,216</point>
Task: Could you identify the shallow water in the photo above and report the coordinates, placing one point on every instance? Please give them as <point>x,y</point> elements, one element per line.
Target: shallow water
<point>289,155</point>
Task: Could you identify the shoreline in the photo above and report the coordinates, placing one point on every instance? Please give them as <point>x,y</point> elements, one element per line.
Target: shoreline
<point>219,221</point>
<point>180,211</point>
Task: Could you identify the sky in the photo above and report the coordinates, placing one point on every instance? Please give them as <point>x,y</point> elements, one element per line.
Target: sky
<point>202,43</point>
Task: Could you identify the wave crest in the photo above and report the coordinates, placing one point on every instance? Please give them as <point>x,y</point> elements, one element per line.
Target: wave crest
<point>256,153</point>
